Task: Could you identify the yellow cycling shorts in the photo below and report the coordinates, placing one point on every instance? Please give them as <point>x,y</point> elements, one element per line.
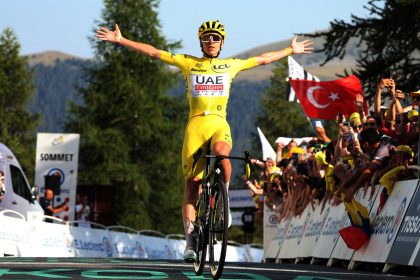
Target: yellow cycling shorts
<point>201,131</point>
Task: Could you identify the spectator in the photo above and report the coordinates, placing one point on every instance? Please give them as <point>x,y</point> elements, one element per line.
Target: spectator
<point>257,194</point>
<point>330,186</point>
<point>78,206</point>
<point>355,122</point>
<point>46,203</point>
<point>413,117</point>
<point>84,213</point>
<point>415,99</point>
<point>2,186</point>
<point>396,170</point>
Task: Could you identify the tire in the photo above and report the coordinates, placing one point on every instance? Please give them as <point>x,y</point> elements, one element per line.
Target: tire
<point>218,228</point>
<point>200,237</point>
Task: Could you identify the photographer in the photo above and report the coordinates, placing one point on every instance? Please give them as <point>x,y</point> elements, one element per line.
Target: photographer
<point>46,203</point>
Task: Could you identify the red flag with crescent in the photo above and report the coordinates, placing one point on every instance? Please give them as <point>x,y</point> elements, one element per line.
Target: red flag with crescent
<point>324,100</point>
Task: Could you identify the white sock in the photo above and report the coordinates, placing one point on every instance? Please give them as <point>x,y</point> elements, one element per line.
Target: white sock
<point>188,229</point>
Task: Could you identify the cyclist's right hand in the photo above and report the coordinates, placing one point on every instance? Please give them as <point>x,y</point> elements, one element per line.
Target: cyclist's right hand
<point>105,34</point>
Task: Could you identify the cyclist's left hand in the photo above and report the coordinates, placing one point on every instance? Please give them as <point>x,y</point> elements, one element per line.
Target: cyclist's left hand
<point>301,47</point>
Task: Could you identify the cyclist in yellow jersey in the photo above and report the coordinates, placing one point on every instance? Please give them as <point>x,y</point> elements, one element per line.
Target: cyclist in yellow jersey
<point>208,84</point>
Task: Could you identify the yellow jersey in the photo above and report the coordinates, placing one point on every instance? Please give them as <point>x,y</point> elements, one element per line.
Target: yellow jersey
<point>208,80</point>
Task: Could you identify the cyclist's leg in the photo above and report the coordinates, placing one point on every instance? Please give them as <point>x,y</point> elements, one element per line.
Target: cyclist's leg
<point>223,148</point>
<point>192,143</point>
<point>221,144</point>
<point>192,187</point>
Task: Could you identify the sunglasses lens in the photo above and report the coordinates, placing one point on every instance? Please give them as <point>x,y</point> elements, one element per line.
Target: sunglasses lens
<point>214,37</point>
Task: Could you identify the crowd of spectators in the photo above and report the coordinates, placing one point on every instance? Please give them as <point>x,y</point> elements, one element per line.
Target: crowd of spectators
<point>369,149</point>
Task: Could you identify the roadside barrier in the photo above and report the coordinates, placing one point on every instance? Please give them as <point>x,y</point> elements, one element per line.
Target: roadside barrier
<point>32,237</point>
<point>394,240</point>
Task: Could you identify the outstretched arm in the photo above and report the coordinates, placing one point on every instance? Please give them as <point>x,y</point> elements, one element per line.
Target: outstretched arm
<point>295,47</point>
<point>115,37</point>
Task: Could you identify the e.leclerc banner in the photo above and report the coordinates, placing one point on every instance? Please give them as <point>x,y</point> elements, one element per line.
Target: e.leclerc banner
<point>58,155</point>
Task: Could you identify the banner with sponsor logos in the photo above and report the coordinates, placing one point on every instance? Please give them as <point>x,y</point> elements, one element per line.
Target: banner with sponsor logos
<point>156,247</point>
<point>92,243</point>
<point>57,155</point>
<point>295,233</point>
<point>335,219</point>
<point>272,250</point>
<point>177,246</point>
<point>53,240</point>
<point>405,249</point>
<point>240,199</point>
<point>270,222</point>
<point>14,239</point>
<point>20,238</point>
<point>313,232</point>
<point>127,245</point>
<point>341,251</point>
<point>386,224</point>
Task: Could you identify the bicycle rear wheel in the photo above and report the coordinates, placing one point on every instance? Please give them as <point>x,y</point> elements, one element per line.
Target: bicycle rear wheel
<point>200,235</point>
<point>201,250</point>
<point>218,229</point>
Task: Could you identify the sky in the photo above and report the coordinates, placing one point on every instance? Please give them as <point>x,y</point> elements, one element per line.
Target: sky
<point>66,25</point>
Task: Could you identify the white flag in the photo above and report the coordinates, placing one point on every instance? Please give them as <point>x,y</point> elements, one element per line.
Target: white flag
<point>267,149</point>
<point>296,71</point>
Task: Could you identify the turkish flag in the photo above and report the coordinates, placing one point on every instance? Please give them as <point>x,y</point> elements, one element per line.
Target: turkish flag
<point>324,100</point>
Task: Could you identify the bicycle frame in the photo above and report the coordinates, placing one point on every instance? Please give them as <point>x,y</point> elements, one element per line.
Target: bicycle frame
<point>212,186</point>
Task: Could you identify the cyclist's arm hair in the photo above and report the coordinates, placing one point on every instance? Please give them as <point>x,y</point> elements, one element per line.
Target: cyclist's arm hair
<point>142,48</point>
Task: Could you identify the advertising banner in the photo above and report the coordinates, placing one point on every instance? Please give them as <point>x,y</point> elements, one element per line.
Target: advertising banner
<point>177,246</point>
<point>14,237</point>
<point>156,247</point>
<point>240,199</point>
<point>270,222</point>
<point>58,155</point>
<point>273,248</point>
<point>297,229</point>
<point>386,224</point>
<point>313,232</point>
<point>126,245</point>
<point>335,220</point>
<point>92,243</point>
<point>53,240</point>
<point>405,249</point>
<point>254,254</point>
<point>341,251</point>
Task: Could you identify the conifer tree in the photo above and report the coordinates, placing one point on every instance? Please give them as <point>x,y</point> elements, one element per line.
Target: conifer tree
<point>389,40</point>
<point>17,125</point>
<point>131,130</point>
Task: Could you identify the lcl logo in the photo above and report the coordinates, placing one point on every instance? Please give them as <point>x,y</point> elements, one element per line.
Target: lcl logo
<point>221,67</point>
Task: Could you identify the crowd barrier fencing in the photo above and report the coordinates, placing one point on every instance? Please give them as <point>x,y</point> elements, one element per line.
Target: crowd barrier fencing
<point>32,237</point>
<point>315,235</point>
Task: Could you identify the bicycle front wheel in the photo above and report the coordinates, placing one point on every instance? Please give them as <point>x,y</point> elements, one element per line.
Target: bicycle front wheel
<point>218,229</point>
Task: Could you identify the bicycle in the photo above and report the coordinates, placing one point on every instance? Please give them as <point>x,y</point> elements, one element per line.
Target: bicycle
<point>212,210</point>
